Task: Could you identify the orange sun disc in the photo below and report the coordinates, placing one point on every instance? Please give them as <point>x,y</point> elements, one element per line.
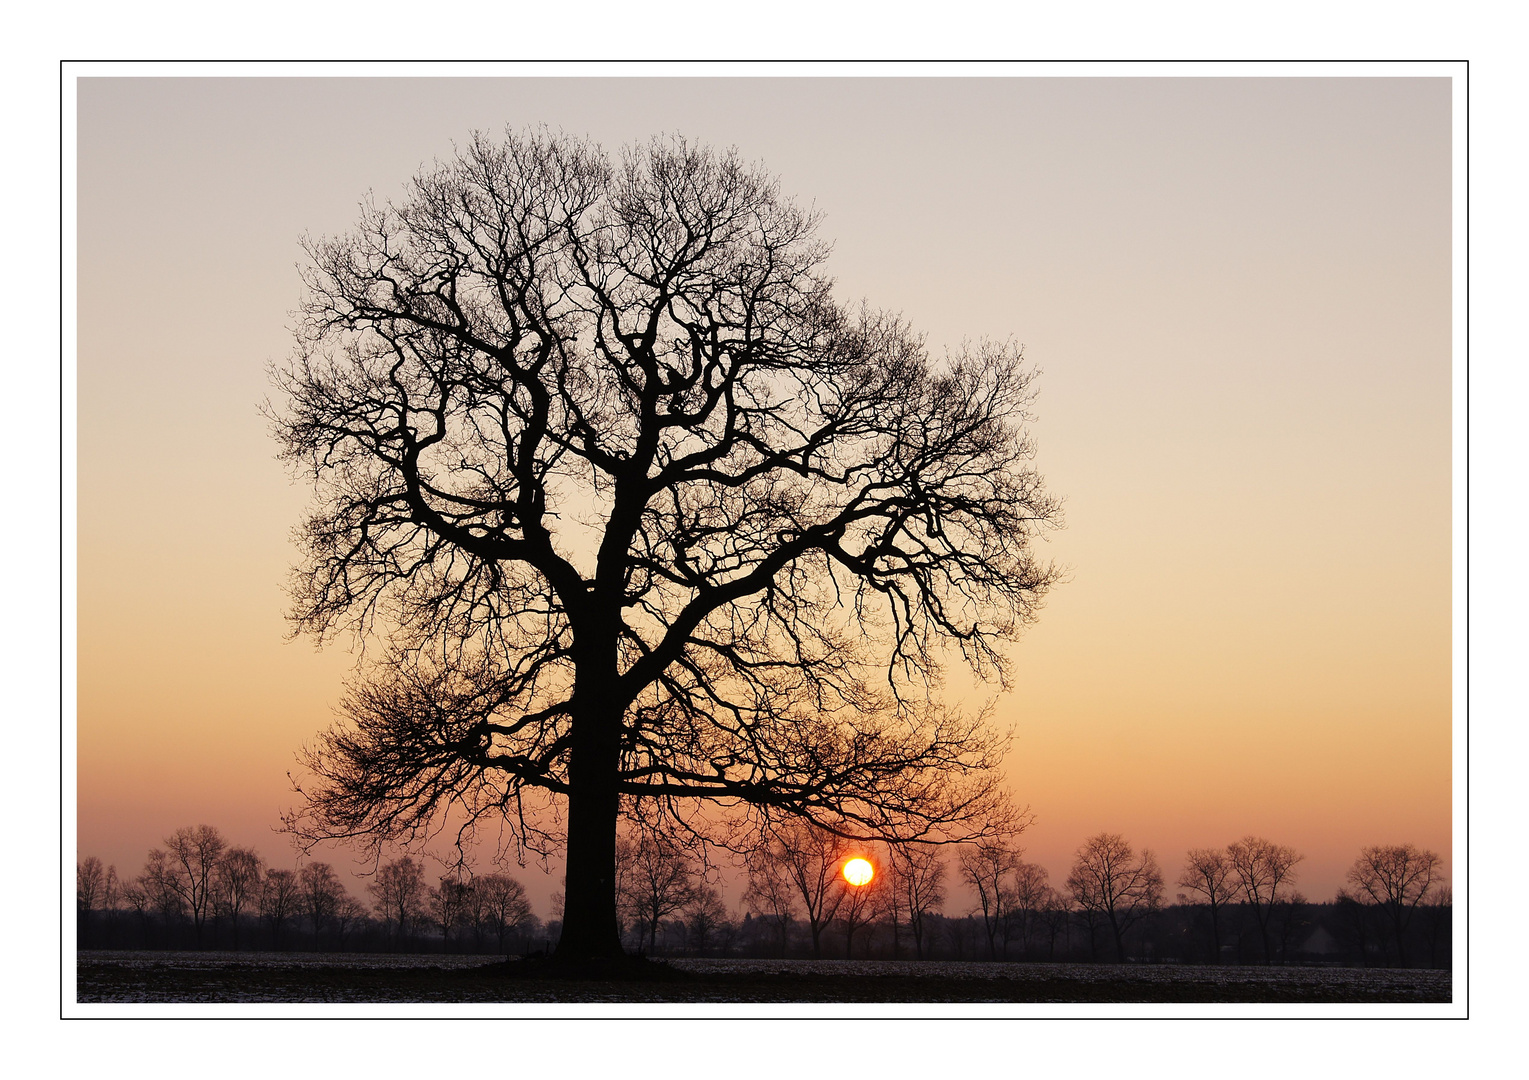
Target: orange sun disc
<point>859,871</point>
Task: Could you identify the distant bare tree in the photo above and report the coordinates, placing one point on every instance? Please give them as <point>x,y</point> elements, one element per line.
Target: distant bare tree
<point>1395,878</point>
<point>279,898</point>
<point>1291,919</point>
<point>160,889</point>
<point>348,913</point>
<point>447,903</point>
<point>1030,890</point>
<point>88,879</point>
<point>771,896</point>
<point>474,912</point>
<point>1439,912</point>
<point>398,895</point>
<point>191,861</point>
<point>111,895</point>
<point>319,893</point>
<point>809,858</point>
<point>88,876</point>
<point>1208,872</point>
<point>654,879</point>
<point>1262,869</point>
<point>237,884</point>
<point>505,905</point>
<point>988,867</point>
<point>1056,920</point>
<point>1110,881</point>
<point>919,877</point>
<point>706,919</point>
<point>861,905</point>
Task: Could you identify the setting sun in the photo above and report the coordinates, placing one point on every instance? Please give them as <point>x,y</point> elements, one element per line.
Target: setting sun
<point>859,871</point>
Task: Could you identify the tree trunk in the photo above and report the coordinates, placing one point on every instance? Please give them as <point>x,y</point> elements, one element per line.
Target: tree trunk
<point>590,931</point>
<point>1120,940</point>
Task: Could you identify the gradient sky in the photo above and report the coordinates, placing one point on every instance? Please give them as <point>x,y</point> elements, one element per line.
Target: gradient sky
<point>1238,292</point>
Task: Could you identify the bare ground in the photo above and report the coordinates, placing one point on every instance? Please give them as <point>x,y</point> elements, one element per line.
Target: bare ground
<point>124,977</point>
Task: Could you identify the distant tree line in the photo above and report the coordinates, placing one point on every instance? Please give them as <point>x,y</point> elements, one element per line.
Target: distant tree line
<point>1239,904</point>
<point>198,892</point>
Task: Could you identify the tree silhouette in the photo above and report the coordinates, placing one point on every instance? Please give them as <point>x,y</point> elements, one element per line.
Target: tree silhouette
<point>505,904</point>
<point>919,878</point>
<point>1208,872</point>
<point>654,879</point>
<point>319,893</point>
<point>642,513</point>
<point>808,859</point>
<point>237,882</point>
<point>398,895</point>
<point>1396,878</point>
<point>1110,880</point>
<point>771,895</point>
<point>279,897</point>
<point>1262,868</point>
<point>188,867</point>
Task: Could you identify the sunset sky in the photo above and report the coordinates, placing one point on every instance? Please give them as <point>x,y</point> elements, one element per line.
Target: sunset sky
<point>1238,292</point>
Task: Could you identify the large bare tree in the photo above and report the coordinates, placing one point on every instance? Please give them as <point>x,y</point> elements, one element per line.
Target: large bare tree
<point>642,512</point>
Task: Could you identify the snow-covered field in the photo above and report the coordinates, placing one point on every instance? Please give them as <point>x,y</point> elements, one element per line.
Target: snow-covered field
<point>124,977</point>
<point>1374,978</point>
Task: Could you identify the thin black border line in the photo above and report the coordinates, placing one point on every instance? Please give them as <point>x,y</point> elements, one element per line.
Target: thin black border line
<point>1465,83</point>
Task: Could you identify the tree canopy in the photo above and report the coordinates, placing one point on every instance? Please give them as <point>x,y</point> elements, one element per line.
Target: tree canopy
<point>632,511</point>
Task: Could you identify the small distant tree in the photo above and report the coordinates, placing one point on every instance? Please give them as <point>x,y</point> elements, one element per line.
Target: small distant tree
<point>237,884</point>
<point>1030,890</point>
<point>1438,911</point>
<point>1395,878</point>
<point>111,896</point>
<point>398,895</point>
<point>1352,925</point>
<point>191,861</point>
<point>1208,873</point>
<point>1056,920</point>
<point>919,877</point>
<point>1290,920</point>
<point>318,896</point>
<point>654,879</point>
<point>349,913</point>
<point>1111,883</point>
<point>1265,872</point>
<point>861,905</point>
<point>87,884</point>
<point>88,879</point>
<point>808,858</point>
<point>279,898</point>
<point>505,904</point>
<point>989,868</point>
<point>771,897</point>
<point>158,886</point>
<point>448,903</point>
<point>706,919</point>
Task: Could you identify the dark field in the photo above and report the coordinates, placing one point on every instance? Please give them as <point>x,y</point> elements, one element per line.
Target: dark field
<point>122,977</point>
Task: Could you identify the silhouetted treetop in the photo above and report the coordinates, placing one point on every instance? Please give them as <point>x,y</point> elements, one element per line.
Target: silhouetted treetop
<point>640,508</point>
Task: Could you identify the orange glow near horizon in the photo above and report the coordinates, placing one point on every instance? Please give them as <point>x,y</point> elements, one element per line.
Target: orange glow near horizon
<point>858,871</point>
